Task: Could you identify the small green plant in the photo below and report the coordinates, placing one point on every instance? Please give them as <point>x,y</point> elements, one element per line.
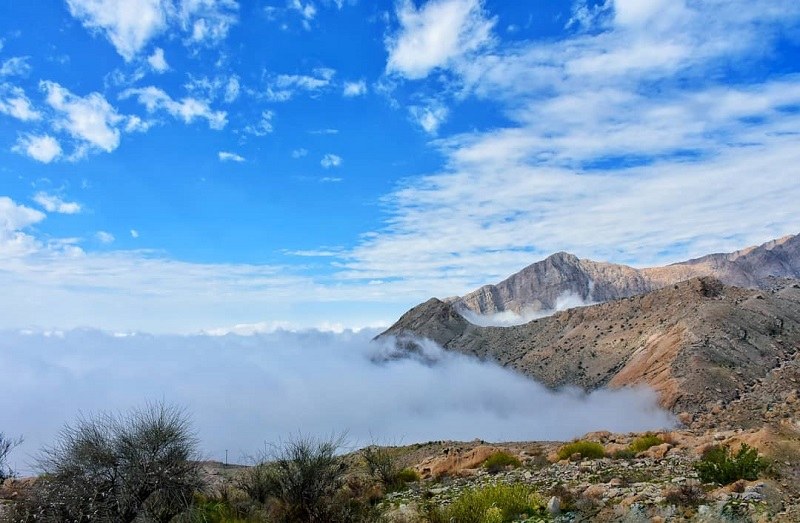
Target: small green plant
<point>623,454</point>
<point>408,475</point>
<point>643,443</point>
<point>492,504</point>
<point>718,465</point>
<point>499,461</point>
<point>587,449</point>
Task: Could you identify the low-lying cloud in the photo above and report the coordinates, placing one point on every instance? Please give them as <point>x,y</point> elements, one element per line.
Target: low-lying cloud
<point>247,391</point>
<point>567,300</point>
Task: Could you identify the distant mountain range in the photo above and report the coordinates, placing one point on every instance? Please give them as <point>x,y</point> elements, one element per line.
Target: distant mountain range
<point>707,334</point>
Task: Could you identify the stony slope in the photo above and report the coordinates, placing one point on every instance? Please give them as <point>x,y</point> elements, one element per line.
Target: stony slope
<point>698,343</point>
<point>538,286</point>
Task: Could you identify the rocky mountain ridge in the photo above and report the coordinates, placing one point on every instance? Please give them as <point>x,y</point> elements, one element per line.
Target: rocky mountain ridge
<point>540,285</point>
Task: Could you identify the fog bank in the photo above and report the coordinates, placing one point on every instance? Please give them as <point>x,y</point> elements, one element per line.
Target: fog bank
<point>243,391</point>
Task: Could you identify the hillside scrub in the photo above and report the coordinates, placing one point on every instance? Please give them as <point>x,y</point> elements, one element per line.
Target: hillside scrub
<point>642,443</point>
<point>491,504</point>
<point>6,446</point>
<point>499,461</point>
<point>718,465</point>
<point>587,449</point>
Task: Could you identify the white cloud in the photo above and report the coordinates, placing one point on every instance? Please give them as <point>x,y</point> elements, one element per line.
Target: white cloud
<point>352,89</point>
<point>187,109</point>
<point>435,34</point>
<point>131,24</point>
<point>314,373</point>
<point>90,119</point>
<point>263,127</point>
<point>128,25</point>
<point>283,87</point>
<point>331,179</point>
<point>15,66</point>
<point>230,157</point>
<point>104,237</point>
<point>15,103</point>
<point>307,11</point>
<point>232,89</point>
<point>299,153</point>
<point>42,148</point>
<point>53,203</point>
<point>14,219</point>
<point>330,160</point>
<point>429,117</point>
<point>157,61</point>
<point>207,21</point>
<point>134,233</point>
<point>604,153</point>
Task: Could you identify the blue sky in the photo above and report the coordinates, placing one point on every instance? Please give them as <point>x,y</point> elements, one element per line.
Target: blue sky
<point>189,165</point>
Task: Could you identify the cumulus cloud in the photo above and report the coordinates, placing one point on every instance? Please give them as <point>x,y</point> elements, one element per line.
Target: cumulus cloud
<point>53,203</point>
<point>274,384</point>
<point>307,11</point>
<point>225,156</point>
<point>42,148</point>
<point>330,160</point>
<point>187,109</point>
<point>435,34</point>
<point>157,61</point>
<point>90,119</point>
<point>299,153</point>
<point>352,89</point>
<point>16,104</point>
<point>232,89</point>
<point>134,233</point>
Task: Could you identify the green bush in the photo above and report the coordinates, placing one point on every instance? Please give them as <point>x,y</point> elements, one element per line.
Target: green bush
<point>500,461</point>
<point>587,449</point>
<point>718,465</point>
<point>408,475</point>
<point>643,443</point>
<point>491,504</point>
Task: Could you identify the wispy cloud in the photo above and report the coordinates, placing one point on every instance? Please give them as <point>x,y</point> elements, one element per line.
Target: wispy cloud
<point>283,87</point>
<point>53,203</point>
<point>187,109</point>
<point>15,103</point>
<point>225,156</point>
<point>104,237</point>
<point>353,89</point>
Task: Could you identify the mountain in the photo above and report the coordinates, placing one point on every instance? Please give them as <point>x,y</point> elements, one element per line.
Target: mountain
<point>540,285</point>
<point>698,343</point>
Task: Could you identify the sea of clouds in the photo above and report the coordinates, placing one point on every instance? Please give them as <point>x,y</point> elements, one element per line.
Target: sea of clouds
<point>245,392</point>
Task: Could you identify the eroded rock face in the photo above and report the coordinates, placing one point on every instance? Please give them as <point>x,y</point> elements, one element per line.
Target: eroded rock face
<point>540,285</point>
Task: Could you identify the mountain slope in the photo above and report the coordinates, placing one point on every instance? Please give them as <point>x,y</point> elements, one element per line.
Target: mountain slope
<point>696,343</point>
<point>540,285</point>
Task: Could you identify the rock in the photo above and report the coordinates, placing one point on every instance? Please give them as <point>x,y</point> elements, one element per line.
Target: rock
<point>554,506</point>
